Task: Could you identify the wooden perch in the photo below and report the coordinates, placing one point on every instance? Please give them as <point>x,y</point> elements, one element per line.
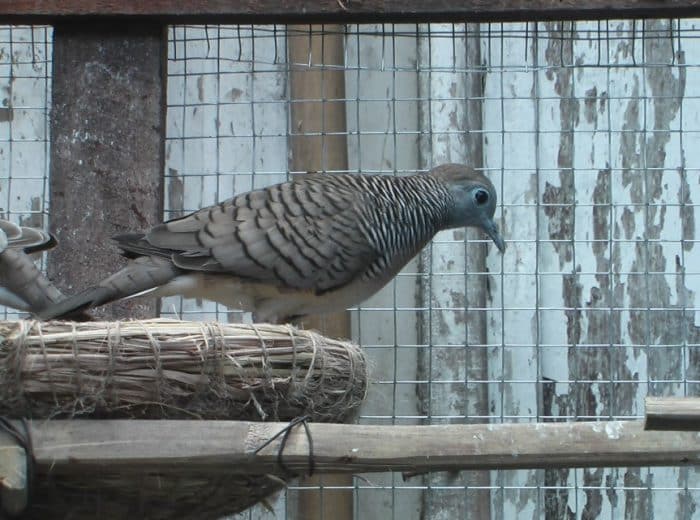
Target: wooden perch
<point>125,446</point>
<point>119,462</point>
<point>672,413</point>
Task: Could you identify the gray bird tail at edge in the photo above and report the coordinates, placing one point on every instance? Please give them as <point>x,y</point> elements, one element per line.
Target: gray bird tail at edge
<point>30,240</point>
<point>24,286</point>
<point>140,276</point>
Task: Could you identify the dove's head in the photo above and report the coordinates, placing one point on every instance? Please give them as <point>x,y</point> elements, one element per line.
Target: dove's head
<point>474,199</point>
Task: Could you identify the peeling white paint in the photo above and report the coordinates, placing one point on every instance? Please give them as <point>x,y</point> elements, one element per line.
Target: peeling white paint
<point>613,429</point>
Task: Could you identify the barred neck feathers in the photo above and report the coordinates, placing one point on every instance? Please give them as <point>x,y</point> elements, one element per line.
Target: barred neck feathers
<point>399,215</point>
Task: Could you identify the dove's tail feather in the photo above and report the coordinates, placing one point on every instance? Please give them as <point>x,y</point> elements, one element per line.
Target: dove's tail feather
<point>23,285</point>
<point>142,275</point>
<point>134,245</point>
<point>48,241</point>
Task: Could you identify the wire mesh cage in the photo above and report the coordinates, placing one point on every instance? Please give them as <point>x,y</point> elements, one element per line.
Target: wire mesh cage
<point>25,86</point>
<point>587,129</point>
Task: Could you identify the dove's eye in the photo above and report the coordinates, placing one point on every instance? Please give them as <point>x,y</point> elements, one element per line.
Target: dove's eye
<point>481,197</point>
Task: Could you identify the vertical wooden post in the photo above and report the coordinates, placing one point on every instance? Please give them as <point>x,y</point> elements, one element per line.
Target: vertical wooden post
<point>107,131</point>
<point>317,96</point>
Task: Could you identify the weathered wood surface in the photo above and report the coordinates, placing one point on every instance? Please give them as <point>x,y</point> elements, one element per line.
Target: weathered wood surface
<point>598,310</point>
<point>455,333</point>
<point>672,413</point>
<point>62,447</point>
<point>343,11</point>
<point>108,114</point>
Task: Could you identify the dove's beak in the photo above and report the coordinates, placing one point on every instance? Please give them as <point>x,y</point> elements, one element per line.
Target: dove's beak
<point>489,227</point>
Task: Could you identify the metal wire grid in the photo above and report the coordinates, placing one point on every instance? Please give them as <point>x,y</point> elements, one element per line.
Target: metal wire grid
<point>25,86</point>
<point>226,130</point>
<point>551,200</point>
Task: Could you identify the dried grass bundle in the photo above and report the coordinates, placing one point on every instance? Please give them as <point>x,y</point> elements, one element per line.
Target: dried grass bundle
<point>173,369</point>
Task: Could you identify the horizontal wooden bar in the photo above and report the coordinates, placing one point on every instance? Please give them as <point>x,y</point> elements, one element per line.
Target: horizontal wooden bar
<point>70,447</point>
<point>672,413</point>
<point>340,11</point>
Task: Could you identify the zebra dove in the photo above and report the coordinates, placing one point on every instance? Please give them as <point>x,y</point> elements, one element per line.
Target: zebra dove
<point>317,243</point>
<point>22,286</point>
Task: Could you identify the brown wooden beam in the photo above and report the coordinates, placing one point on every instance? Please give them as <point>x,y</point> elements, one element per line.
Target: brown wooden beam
<point>74,447</point>
<point>341,11</point>
<point>107,126</point>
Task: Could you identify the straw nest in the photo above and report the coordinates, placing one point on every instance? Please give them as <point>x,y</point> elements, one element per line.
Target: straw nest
<point>170,369</point>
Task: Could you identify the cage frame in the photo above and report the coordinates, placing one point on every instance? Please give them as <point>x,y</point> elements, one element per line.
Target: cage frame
<point>339,11</point>
<point>125,21</point>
